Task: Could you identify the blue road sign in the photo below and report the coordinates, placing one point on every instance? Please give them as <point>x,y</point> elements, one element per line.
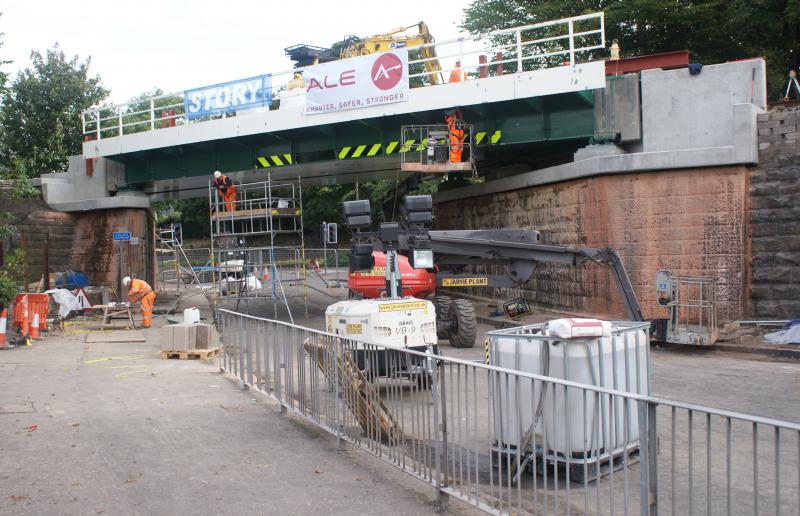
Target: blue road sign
<point>122,236</point>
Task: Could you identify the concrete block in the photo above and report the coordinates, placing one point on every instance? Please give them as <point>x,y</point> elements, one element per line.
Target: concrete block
<point>179,337</point>
<point>165,335</point>
<point>207,336</point>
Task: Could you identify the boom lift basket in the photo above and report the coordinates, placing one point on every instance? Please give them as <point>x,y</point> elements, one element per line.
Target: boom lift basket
<point>428,149</point>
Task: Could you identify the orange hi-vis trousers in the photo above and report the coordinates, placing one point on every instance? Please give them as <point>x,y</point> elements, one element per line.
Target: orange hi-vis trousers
<point>229,196</point>
<point>141,291</point>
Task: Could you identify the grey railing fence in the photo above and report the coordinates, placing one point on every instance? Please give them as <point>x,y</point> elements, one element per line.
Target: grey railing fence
<point>458,426</point>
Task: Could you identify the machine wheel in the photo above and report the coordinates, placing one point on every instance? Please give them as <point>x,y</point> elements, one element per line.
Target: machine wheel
<point>464,330</point>
<point>424,379</point>
<point>442,304</point>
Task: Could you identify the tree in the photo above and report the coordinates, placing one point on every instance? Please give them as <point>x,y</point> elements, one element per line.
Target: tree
<point>3,74</point>
<point>714,31</point>
<point>41,112</point>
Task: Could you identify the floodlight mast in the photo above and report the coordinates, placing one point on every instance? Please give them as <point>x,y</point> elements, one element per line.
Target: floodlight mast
<point>419,217</point>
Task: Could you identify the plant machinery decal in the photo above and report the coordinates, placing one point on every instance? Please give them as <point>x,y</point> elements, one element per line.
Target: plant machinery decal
<point>407,305</point>
<point>465,282</point>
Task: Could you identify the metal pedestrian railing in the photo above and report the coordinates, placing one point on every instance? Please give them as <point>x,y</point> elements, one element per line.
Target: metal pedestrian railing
<point>446,421</point>
<point>549,44</point>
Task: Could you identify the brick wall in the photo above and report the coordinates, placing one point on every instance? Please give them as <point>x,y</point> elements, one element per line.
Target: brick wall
<point>691,221</point>
<point>775,217</point>
<point>42,225</point>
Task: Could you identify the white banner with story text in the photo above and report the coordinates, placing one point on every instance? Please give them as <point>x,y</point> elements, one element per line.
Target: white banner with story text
<point>357,82</point>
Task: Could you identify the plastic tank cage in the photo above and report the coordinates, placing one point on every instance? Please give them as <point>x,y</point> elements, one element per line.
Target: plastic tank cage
<point>619,361</point>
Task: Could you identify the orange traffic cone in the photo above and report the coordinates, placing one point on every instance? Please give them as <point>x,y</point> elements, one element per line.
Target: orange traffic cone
<point>35,335</point>
<point>3,318</point>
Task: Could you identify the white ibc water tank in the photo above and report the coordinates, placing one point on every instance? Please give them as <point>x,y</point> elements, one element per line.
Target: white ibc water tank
<point>618,360</point>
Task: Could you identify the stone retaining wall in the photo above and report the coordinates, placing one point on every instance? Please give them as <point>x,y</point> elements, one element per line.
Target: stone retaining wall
<point>692,221</point>
<point>775,217</point>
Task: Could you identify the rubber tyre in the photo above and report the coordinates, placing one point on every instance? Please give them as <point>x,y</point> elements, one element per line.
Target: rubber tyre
<point>466,325</point>
<point>442,304</point>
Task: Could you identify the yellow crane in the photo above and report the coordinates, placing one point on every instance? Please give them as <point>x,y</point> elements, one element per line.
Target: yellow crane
<point>395,39</point>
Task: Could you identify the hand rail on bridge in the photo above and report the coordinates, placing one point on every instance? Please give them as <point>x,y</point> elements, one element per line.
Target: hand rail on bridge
<point>530,47</point>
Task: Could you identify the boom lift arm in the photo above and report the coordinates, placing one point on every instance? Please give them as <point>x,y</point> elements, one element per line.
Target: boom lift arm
<point>520,252</point>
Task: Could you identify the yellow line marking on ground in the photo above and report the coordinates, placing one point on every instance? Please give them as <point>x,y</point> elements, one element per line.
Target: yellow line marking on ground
<point>106,359</point>
<point>126,373</point>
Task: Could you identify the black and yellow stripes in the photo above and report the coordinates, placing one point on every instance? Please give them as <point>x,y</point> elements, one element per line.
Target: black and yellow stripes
<point>410,145</point>
<point>275,160</point>
<point>369,150</point>
<point>480,136</point>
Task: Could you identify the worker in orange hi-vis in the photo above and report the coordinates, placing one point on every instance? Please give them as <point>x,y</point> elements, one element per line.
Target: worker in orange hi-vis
<point>139,290</point>
<point>458,75</point>
<point>455,130</point>
<point>226,190</point>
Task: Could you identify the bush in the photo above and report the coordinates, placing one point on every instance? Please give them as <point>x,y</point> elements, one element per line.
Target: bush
<point>11,277</point>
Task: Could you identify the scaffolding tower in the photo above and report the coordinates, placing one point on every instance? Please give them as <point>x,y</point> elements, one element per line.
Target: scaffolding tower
<point>257,242</point>
<point>178,267</point>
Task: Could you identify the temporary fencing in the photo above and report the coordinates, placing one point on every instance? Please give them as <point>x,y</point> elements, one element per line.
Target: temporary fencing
<point>589,449</point>
<point>37,304</point>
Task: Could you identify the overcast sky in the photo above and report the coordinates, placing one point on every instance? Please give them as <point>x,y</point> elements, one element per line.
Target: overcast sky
<point>180,44</point>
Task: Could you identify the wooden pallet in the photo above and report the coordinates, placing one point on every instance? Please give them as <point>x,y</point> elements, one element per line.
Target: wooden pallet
<point>360,396</point>
<point>192,354</point>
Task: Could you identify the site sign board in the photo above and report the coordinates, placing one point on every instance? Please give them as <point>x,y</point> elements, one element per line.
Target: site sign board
<point>228,97</point>
<point>357,82</point>
<point>121,236</point>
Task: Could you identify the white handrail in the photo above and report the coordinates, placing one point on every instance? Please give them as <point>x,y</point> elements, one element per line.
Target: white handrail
<point>120,119</point>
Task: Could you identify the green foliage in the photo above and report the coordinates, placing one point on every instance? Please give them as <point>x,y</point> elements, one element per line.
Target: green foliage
<point>41,112</point>
<point>324,203</point>
<point>136,114</point>
<point>11,277</point>
<point>191,213</point>
<point>3,75</point>
<point>21,189</point>
<point>714,31</point>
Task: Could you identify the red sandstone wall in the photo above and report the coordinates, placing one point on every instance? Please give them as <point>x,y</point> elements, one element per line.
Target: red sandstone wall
<point>691,221</point>
<point>95,253</point>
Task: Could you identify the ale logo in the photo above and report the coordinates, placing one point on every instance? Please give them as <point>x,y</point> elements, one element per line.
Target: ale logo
<point>387,71</point>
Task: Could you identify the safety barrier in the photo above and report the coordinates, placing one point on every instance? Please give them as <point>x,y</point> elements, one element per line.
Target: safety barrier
<point>530,47</point>
<point>438,418</point>
<point>38,304</point>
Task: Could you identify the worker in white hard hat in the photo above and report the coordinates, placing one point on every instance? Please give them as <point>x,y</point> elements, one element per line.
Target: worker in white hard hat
<point>140,290</point>
<point>226,190</point>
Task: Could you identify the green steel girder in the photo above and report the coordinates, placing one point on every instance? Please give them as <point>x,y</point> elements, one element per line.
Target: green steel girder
<point>564,118</point>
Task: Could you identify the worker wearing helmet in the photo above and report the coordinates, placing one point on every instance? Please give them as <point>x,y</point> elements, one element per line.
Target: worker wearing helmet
<point>139,290</point>
<point>297,82</point>
<point>455,131</point>
<point>226,190</point>
<point>458,75</point>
